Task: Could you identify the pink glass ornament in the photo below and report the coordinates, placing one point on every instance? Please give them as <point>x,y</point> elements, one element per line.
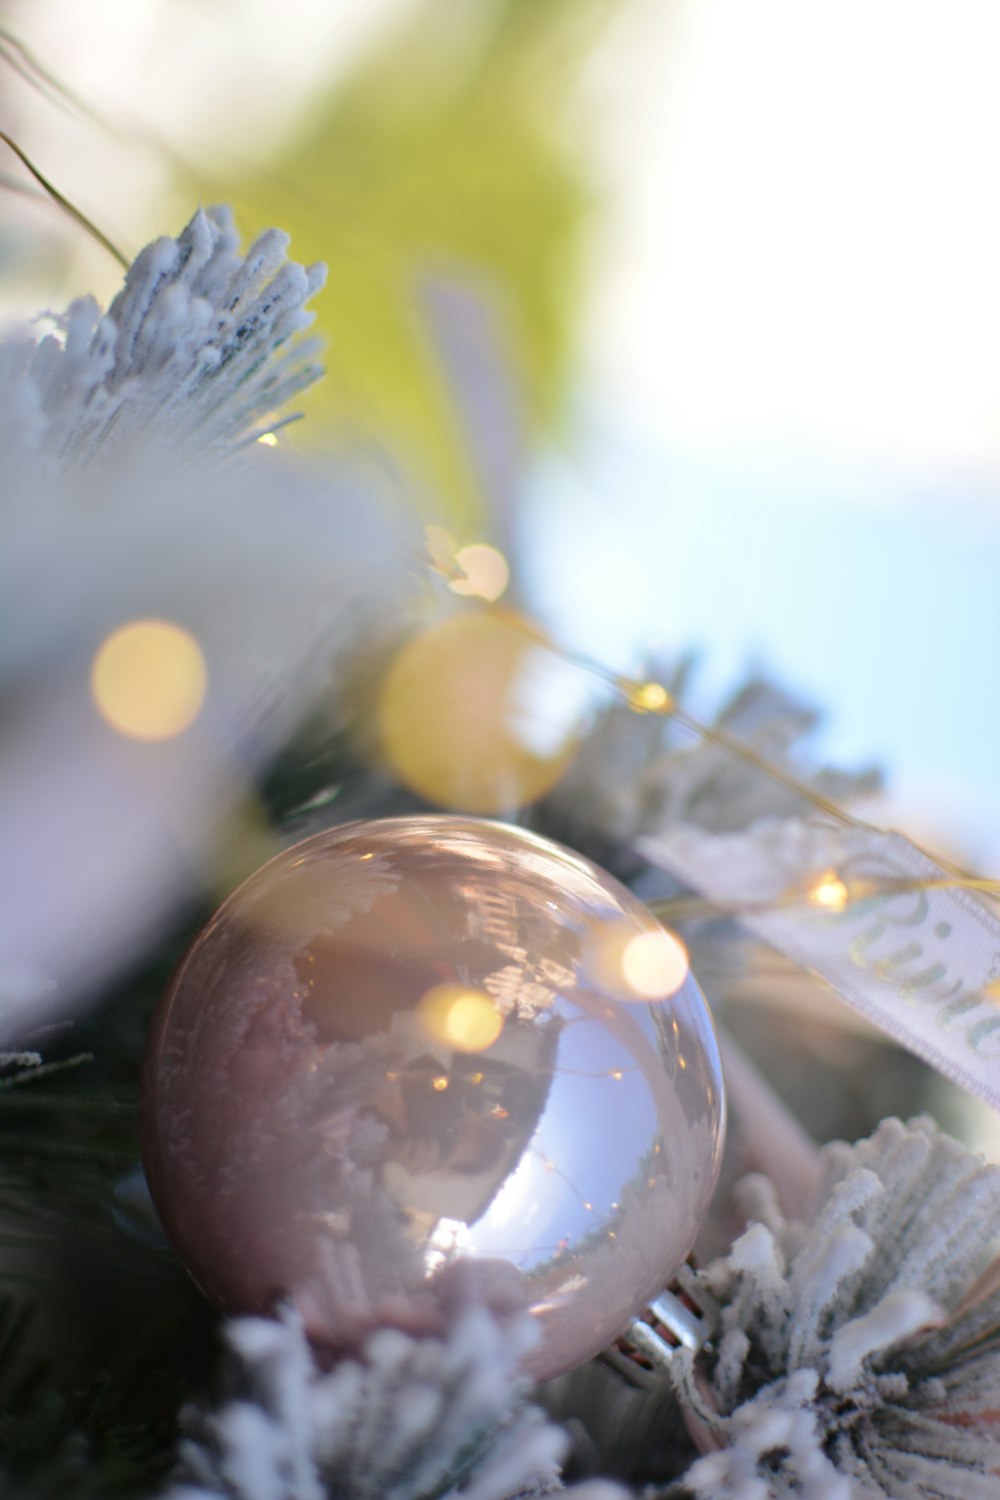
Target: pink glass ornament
<point>422,1042</point>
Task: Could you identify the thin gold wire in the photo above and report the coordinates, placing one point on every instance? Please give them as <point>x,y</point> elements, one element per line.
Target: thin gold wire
<point>856,891</point>
<point>64,203</point>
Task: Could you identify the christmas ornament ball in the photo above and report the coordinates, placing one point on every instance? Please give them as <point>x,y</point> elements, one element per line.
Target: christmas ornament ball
<point>420,1050</point>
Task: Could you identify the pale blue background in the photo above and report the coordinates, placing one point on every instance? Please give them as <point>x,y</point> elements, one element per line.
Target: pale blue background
<point>876,596</point>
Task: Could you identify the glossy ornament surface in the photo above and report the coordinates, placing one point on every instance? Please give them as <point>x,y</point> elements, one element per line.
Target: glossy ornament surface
<point>411,1044</point>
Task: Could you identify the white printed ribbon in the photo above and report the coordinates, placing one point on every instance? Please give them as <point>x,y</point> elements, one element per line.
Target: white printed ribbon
<point>917,962</point>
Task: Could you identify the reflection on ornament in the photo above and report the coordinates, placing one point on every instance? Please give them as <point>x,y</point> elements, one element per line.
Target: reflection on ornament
<point>469,1020</point>
<point>419,1070</point>
<point>450,717</point>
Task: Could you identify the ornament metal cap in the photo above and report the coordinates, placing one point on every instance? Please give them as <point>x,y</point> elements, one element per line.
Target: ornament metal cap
<point>683,1316</point>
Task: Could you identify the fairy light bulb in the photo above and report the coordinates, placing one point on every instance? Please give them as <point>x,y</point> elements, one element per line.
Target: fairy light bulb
<point>646,697</point>
<point>829,892</point>
<point>391,1051</point>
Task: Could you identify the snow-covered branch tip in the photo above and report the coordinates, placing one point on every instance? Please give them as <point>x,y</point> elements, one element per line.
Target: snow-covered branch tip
<point>412,1419</point>
<point>195,356</point>
<point>859,1356</point>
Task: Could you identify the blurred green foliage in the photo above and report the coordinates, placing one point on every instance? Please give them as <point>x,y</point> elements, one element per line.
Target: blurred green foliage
<point>446,152</point>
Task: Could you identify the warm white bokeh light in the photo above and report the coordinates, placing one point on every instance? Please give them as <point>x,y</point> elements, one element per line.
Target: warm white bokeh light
<point>451,716</point>
<point>486,572</point>
<point>463,1018</point>
<point>829,892</point>
<point>631,965</point>
<point>149,680</point>
<point>655,965</point>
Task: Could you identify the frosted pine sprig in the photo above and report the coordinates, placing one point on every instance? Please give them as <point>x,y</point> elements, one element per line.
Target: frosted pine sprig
<point>632,774</point>
<point>859,1353</point>
<point>197,348</point>
<point>412,1419</point>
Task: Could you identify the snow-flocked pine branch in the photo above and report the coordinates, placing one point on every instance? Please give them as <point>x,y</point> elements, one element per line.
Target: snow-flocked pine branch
<point>859,1356</point>
<point>196,353</point>
<point>411,1419</point>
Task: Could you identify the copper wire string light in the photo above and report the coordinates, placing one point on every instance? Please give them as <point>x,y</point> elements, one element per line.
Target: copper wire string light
<point>829,891</point>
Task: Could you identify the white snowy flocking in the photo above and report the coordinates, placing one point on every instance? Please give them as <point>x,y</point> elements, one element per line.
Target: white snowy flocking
<point>859,1353</point>
<point>635,772</point>
<point>193,351</point>
<point>412,1419</point>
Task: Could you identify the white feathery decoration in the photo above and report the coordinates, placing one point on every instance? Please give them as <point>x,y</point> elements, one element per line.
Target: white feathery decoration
<point>859,1352</point>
